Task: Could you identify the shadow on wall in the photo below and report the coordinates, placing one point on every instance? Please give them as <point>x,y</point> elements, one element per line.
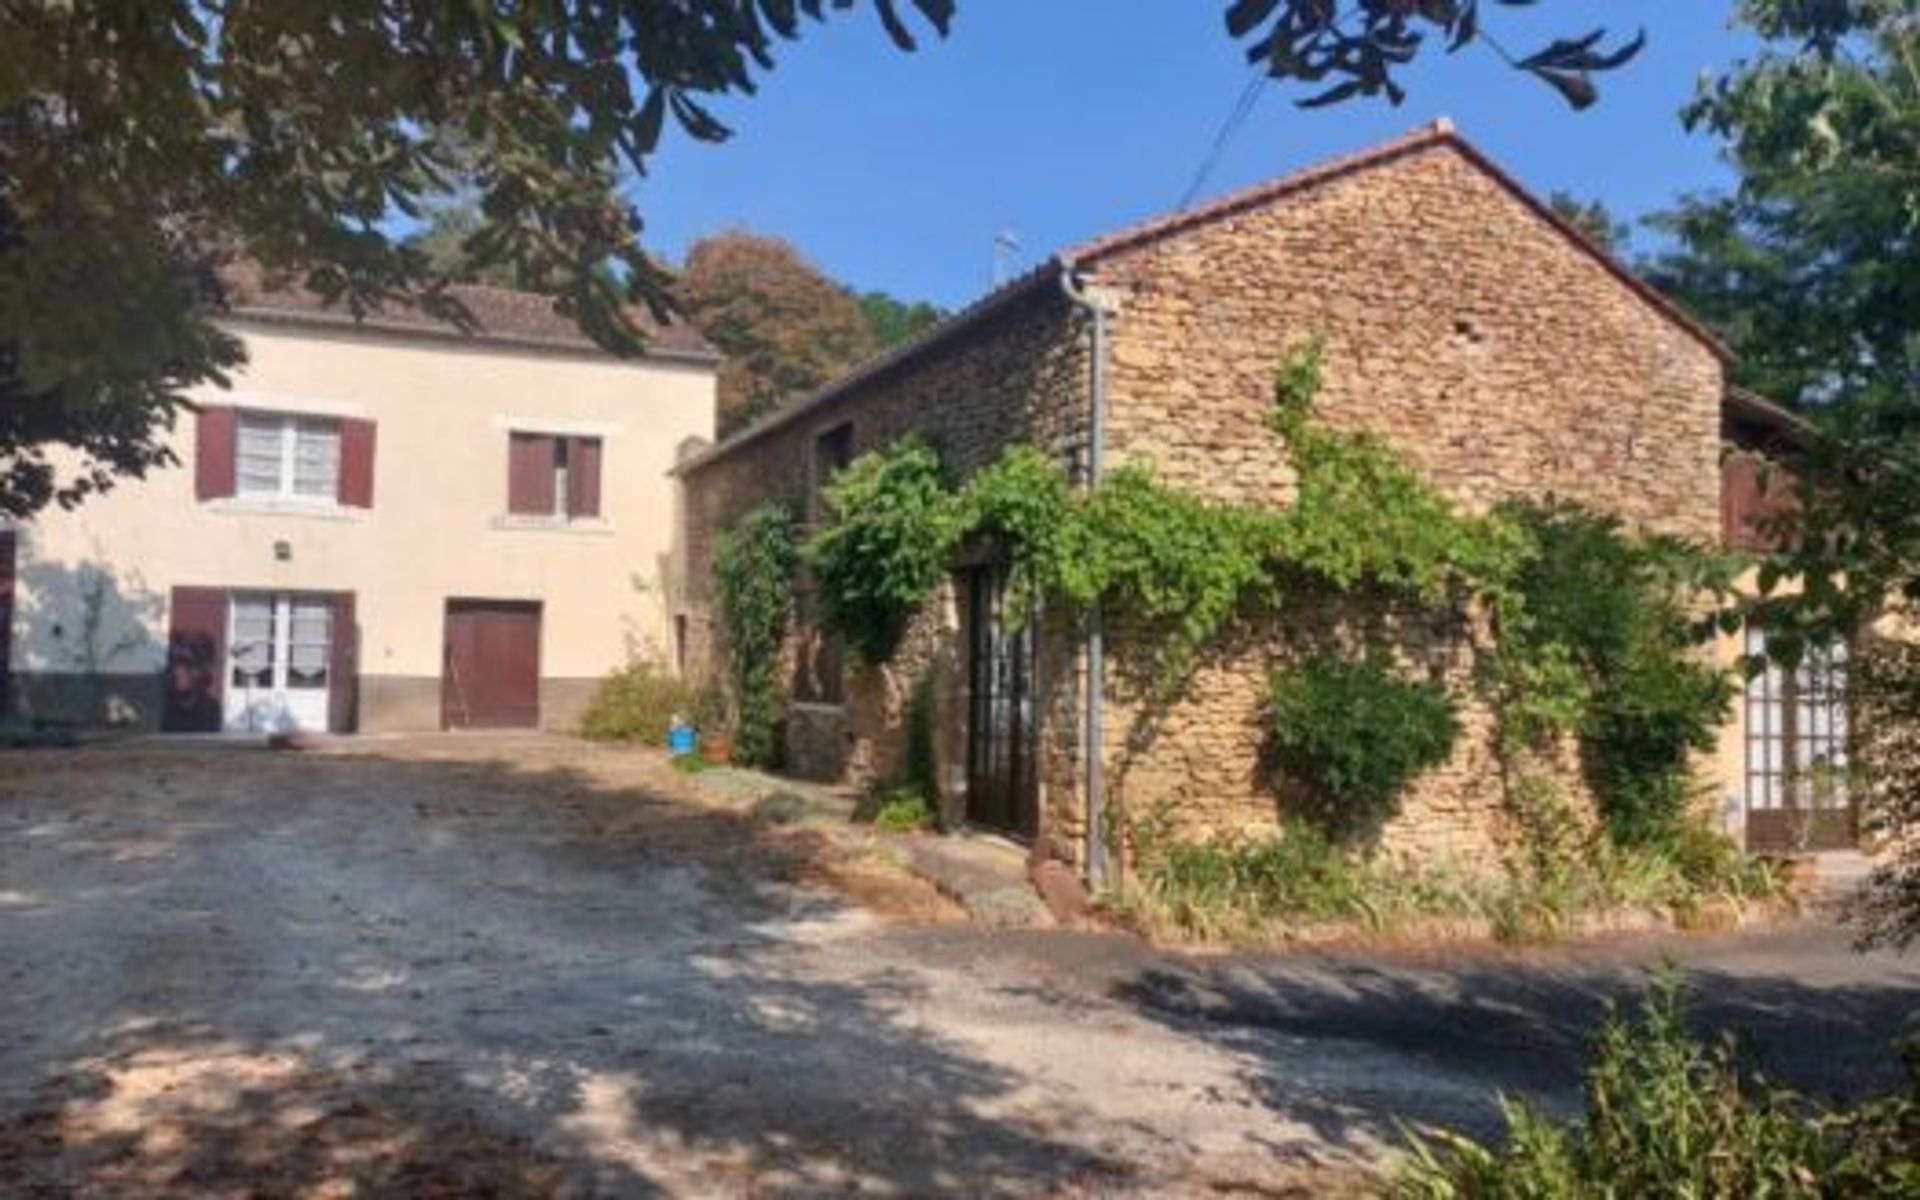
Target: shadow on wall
<point>468,976</point>
<point>85,652</point>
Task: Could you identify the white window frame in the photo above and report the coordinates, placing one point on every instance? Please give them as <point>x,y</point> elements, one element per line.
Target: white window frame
<point>288,424</point>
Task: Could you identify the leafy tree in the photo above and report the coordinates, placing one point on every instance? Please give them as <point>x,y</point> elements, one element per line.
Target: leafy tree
<point>143,144</point>
<point>1593,218</point>
<point>449,229</point>
<point>1362,46</point>
<point>1812,268</point>
<point>894,321</point>
<point>785,328</point>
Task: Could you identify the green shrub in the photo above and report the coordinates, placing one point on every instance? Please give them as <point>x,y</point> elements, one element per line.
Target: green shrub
<point>1614,607</point>
<point>1357,732</point>
<point>753,567</point>
<point>636,704</point>
<point>1666,1115</point>
<point>903,809</point>
<point>1248,891</point>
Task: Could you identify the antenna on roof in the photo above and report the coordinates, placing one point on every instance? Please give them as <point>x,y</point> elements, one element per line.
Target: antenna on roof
<point>1006,244</point>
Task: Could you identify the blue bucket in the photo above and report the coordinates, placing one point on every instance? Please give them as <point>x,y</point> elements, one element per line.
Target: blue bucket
<point>680,738</point>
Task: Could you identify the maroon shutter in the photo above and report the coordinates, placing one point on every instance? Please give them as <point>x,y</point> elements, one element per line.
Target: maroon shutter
<point>196,660</point>
<point>1754,494</point>
<point>9,545</point>
<point>583,477</point>
<point>356,463</point>
<point>213,453</point>
<point>343,668</point>
<point>530,460</point>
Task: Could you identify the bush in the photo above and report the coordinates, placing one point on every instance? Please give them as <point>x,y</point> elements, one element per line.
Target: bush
<point>1357,732</point>
<point>1247,891</point>
<point>1666,1115</point>
<point>1614,608</point>
<point>636,704</point>
<point>903,809</point>
<point>1888,716</point>
<point>1217,890</point>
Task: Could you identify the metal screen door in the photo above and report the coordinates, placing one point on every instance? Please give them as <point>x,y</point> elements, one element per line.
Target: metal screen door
<point>1002,786</point>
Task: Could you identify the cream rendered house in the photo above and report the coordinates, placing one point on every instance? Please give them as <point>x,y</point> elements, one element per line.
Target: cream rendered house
<point>388,524</point>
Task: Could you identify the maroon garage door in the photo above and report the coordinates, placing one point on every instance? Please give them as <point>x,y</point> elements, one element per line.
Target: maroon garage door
<point>491,674</point>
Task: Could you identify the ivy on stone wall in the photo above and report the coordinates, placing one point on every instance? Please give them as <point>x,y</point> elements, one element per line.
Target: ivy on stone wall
<point>753,567</point>
<point>1609,610</point>
<point>1619,671</point>
<point>892,527</point>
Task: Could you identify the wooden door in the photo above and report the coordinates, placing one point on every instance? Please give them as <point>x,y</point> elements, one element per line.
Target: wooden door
<point>490,677</point>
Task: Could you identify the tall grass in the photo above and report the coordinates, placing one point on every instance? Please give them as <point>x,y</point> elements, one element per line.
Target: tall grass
<point>1668,1115</point>
<point>1253,890</point>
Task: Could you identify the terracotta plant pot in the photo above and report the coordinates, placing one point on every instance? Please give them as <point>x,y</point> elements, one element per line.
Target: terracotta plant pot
<point>717,748</point>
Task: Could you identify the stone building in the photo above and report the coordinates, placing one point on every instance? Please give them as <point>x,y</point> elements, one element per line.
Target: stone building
<point>1492,345</point>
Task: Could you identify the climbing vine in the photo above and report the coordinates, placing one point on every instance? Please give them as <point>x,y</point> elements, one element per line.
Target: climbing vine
<point>753,569</point>
<point>892,526</point>
<point>1604,614</point>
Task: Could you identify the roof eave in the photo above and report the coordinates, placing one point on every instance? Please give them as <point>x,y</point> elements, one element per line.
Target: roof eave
<point>1046,274</point>
<point>347,322</point>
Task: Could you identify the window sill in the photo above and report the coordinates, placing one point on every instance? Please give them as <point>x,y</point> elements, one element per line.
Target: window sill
<point>516,521</point>
<point>262,506</point>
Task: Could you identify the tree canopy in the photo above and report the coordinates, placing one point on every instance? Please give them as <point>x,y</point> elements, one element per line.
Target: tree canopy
<point>784,326</point>
<point>1811,269</point>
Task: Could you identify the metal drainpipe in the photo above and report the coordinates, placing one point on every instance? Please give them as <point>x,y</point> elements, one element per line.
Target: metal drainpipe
<point>1096,634</point>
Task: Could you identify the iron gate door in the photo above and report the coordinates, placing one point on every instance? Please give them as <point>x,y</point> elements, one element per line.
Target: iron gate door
<point>1002,786</point>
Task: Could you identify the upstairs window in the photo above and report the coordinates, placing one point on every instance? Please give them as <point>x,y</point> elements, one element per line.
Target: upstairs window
<point>283,457</point>
<point>549,475</point>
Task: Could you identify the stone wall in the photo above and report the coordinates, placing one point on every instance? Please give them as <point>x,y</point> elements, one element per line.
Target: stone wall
<point>1017,375</point>
<point>1495,355</point>
<point>1492,354</point>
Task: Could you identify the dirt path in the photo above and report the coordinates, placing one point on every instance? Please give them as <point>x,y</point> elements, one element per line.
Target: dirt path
<point>533,967</point>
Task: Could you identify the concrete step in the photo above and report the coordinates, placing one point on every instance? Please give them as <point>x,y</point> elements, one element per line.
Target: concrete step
<point>986,875</point>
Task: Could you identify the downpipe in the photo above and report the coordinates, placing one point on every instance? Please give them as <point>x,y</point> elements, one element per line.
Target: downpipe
<point>1098,872</point>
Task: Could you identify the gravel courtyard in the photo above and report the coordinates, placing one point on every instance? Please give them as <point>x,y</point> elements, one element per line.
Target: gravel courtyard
<point>533,967</point>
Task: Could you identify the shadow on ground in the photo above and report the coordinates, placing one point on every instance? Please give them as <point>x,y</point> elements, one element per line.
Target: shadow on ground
<point>1438,1043</point>
<point>233,972</point>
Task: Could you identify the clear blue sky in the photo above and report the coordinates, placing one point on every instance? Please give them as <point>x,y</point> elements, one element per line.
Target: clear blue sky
<point>1059,119</point>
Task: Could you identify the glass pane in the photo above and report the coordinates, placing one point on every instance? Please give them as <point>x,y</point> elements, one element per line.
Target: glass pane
<point>252,643</point>
<point>308,642</point>
<point>316,458</point>
<point>257,454</point>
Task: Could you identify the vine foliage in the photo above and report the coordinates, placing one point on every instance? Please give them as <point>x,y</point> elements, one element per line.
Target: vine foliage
<point>1591,626</point>
<point>892,529</point>
<point>753,567</point>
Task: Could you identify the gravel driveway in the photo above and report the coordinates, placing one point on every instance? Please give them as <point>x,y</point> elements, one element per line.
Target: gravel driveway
<point>532,967</point>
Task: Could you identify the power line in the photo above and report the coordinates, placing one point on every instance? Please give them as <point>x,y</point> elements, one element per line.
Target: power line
<point>1242,109</point>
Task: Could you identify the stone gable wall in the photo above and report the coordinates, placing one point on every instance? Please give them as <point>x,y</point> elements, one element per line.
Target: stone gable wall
<point>1492,354</point>
<point>1495,356</point>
